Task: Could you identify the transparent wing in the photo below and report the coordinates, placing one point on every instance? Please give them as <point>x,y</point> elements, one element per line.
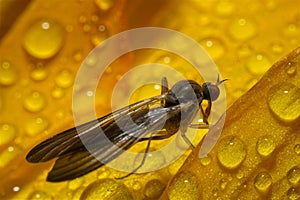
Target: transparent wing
<point>74,160</point>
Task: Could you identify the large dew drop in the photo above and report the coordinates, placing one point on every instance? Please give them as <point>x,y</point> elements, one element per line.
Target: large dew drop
<point>284,102</point>
<point>231,152</point>
<point>43,39</point>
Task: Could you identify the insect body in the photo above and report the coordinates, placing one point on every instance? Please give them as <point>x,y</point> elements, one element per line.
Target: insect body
<point>176,109</point>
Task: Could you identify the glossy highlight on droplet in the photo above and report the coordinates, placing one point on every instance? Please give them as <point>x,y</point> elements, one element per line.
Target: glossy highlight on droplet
<point>185,185</point>
<point>284,102</point>
<point>64,79</point>
<point>8,74</point>
<point>154,188</point>
<point>242,28</point>
<point>36,126</point>
<point>106,189</point>
<point>265,145</point>
<point>291,68</point>
<point>34,102</point>
<point>293,176</point>
<point>258,64</point>
<point>231,152</point>
<point>43,39</point>
<point>263,182</point>
<point>7,133</point>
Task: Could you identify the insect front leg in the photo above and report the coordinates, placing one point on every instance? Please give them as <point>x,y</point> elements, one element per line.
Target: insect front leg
<point>164,89</point>
<point>206,113</point>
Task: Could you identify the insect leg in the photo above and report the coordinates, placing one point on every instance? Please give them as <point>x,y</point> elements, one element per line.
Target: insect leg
<point>143,160</point>
<point>206,113</point>
<point>164,89</point>
<point>186,139</point>
<point>199,126</point>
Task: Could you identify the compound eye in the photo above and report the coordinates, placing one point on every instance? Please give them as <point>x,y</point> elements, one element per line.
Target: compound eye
<point>214,92</point>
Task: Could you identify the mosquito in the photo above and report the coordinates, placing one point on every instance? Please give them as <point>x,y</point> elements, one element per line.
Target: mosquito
<point>174,112</point>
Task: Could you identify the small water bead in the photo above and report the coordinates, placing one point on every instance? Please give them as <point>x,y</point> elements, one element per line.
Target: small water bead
<point>297,149</point>
<point>293,194</point>
<point>7,133</point>
<point>64,79</point>
<point>293,176</point>
<point>263,182</point>
<point>39,195</point>
<point>39,74</point>
<point>225,7</point>
<point>104,5</point>
<point>231,152</point>
<point>214,47</point>
<point>78,56</point>
<point>35,126</point>
<point>284,101</point>
<point>291,68</point>
<point>242,28</point>
<point>185,185</point>
<point>8,75</point>
<point>74,184</point>
<point>106,189</point>
<point>154,188</point>
<point>43,39</point>
<point>34,102</point>
<point>57,93</point>
<point>223,183</point>
<point>258,64</point>
<point>277,47</point>
<point>265,145</point>
<point>137,185</point>
<point>8,154</point>
<point>292,30</point>
<point>205,160</point>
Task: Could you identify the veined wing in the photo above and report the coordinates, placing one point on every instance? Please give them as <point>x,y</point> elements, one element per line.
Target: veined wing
<point>70,139</point>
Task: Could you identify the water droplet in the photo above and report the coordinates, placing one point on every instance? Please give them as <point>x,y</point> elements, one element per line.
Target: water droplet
<point>39,74</point>
<point>292,30</point>
<point>78,56</point>
<point>36,125</point>
<point>34,102</point>
<point>214,47</point>
<point>106,189</point>
<point>7,133</point>
<point>205,160</point>
<point>225,7</point>
<point>277,47</point>
<point>223,183</point>
<point>242,28</point>
<point>240,174</point>
<point>263,182</point>
<point>104,4</point>
<point>7,155</point>
<point>136,185</point>
<point>86,28</point>
<point>8,75</point>
<point>57,93</point>
<point>258,64</point>
<point>74,184</point>
<point>39,195</point>
<point>293,194</point>
<point>284,101</point>
<point>82,19</point>
<point>64,79</point>
<point>154,188</point>
<point>293,176</point>
<point>43,39</point>
<point>297,149</point>
<point>291,68</point>
<point>231,152</point>
<point>265,145</point>
<point>144,92</point>
<point>186,185</point>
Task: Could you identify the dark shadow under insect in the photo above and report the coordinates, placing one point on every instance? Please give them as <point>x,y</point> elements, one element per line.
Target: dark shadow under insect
<point>176,109</point>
